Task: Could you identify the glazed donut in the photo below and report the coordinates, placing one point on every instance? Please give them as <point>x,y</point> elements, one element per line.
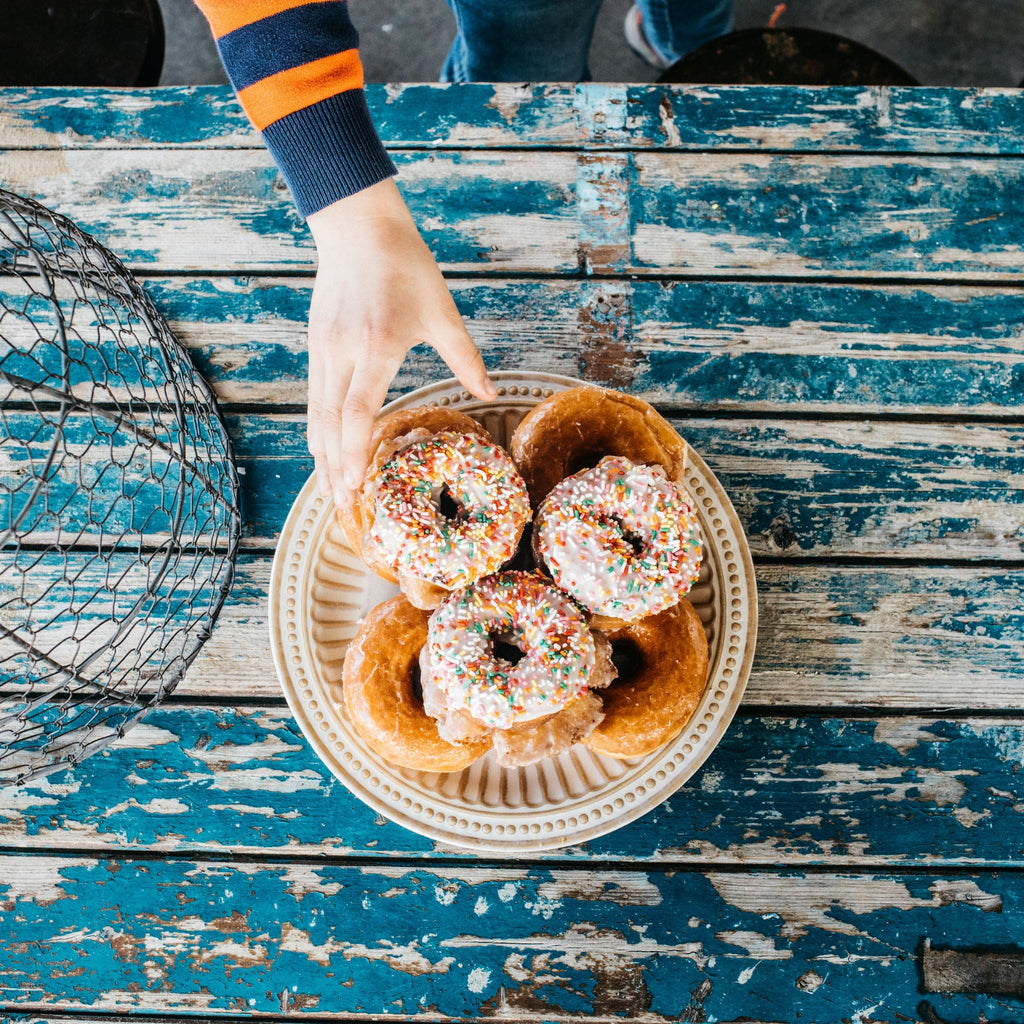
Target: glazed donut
<point>547,737</point>
<point>390,432</point>
<point>378,687</point>
<point>550,657</point>
<point>654,697</point>
<point>620,538</point>
<point>575,429</point>
<point>408,530</point>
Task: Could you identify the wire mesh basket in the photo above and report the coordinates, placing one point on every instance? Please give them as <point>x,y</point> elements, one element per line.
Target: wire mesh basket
<point>119,517</point>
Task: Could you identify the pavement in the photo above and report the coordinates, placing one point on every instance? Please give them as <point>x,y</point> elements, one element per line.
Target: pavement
<point>940,42</point>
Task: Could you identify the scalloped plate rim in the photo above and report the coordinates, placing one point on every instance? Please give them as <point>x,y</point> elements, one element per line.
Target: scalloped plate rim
<point>689,760</point>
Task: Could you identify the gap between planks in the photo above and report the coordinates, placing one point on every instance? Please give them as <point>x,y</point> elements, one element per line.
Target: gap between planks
<point>457,860</point>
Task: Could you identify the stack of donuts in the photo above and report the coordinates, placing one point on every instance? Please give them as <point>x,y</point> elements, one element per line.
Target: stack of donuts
<point>543,588</point>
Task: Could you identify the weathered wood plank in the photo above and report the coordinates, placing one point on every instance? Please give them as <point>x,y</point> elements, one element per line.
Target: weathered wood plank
<point>231,210</point>
<point>778,790</point>
<point>835,216</point>
<point>399,942</point>
<point>829,637</point>
<point>700,344</point>
<point>710,215</point>
<point>925,638</point>
<point>770,118</point>
<point>804,487</point>
<point>801,488</point>
<point>780,118</point>
<point>72,118</point>
<point>111,614</point>
<point>959,970</point>
<point>873,488</point>
<point>160,473</point>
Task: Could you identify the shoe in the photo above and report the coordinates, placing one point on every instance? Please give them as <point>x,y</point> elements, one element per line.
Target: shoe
<point>633,27</point>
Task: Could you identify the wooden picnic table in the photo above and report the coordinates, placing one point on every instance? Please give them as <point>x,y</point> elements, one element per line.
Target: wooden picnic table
<point>822,289</point>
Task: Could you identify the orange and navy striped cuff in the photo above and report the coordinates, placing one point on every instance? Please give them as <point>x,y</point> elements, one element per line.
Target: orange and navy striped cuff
<point>296,69</point>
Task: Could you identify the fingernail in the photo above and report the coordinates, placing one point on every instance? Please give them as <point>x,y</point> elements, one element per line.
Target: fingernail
<point>489,389</point>
<point>324,483</point>
<point>351,479</point>
<point>340,496</point>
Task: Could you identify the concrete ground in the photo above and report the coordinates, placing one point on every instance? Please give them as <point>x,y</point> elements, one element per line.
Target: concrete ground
<point>940,42</point>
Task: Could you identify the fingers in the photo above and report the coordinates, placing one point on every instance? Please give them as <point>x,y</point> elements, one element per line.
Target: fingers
<point>456,348</point>
<point>315,440</point>
<point>337,379</point>
<point>349,378</point>
<point>364,397</point>
<point>329,377</point>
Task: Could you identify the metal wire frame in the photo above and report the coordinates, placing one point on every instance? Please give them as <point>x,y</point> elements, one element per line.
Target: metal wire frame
<point>119,510</point>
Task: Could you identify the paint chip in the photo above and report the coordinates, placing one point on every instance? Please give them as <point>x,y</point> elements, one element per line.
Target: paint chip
<point>478,979</point>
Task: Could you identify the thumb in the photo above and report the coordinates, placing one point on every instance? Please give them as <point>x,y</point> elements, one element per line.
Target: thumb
<point>456,348</point>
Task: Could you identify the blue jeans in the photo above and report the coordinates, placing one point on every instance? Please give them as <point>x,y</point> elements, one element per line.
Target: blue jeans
<point>548,40</point>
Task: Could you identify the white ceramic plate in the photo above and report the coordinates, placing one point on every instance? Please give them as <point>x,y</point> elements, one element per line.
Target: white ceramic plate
<point>319,589</point>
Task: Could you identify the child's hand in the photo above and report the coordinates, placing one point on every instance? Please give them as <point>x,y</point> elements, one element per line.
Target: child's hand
<point>378,292</point>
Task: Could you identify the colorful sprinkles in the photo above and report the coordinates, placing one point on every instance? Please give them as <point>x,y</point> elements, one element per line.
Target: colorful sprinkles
<point>415,537</point>
<point>523,609</point>
<point>622,539</point>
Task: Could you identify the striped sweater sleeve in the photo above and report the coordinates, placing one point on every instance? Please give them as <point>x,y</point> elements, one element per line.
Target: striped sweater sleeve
<point>295,66</point>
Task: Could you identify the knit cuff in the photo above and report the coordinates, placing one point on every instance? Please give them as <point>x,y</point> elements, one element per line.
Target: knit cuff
<point>328,150</point>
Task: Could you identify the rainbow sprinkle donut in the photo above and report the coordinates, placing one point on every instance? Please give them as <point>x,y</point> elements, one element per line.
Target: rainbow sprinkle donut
<point>487,509</point>
<point>522,609</point>
<point>622,539</point>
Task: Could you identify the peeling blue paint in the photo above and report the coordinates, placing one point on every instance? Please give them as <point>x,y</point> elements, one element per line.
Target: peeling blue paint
<point>926,120</point>
<point>802,791</point>
<point>837,215</point>
<point>682,941</point>
<point>253,931</point>
<point>850,486</point>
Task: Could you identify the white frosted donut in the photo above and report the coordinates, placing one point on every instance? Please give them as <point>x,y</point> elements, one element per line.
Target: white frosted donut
<point>524,610</point>
<point>412,533</point>
<point>622,539</point>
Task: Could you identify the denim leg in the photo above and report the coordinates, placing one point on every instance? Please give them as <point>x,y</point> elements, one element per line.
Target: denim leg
<point>675,27</point>
<point>520,40</point>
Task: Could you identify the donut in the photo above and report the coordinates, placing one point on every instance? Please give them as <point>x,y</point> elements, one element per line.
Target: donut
<point>545,654</point>
<point>620,538</point>
<point>440,510</point>
<point>390,432</point>
<point>575,429</point>
<point>547,737</point>
<point>379,693</point>
<point>659,687</point>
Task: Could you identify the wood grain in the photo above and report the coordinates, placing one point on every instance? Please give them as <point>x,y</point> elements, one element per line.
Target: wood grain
<point>818,488</point>
<point>758,346</point>
<point>545,212</point>
<point>223,937</point>
<point>612,115</point>
<point>834,216</point>
<point>922,638</point>
<point>835,791</point>
<point>230,210</point>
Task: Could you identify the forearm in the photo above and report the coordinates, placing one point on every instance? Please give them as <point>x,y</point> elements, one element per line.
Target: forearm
<point>296,69</point>
<point>378,291</point>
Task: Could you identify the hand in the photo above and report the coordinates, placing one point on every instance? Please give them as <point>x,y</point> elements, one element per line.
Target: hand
<point>378,292</point>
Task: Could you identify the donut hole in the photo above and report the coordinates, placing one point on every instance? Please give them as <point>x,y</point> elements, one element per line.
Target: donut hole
<point>634,540</point>
<point>448,506</point>
<point>525,558</point>
<point>417,684</point>
<point>627,658</point>
<point>506,651</point>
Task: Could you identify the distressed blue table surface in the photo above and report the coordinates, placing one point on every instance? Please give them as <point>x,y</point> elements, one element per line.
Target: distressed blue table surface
<point>822,289</point>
